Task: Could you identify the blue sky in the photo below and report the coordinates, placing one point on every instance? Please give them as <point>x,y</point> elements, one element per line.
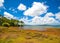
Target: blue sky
<point>32,12</point>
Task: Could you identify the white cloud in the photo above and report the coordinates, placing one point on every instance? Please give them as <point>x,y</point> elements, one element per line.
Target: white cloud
<point>9,16</point>
<point>25,19</point>
<point>38,20</point>
<point>1,3</point>
<point>49,14</point>
<point>57,15</point>
<point>49,20</point>
<point>22,7</point>
<point>36,9</point>
<point>39,9</point>
<point>43,20</point>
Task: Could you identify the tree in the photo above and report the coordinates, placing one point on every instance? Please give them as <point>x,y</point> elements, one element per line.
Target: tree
<point>10,22</point>
<point>21,23</point>
<point>1,20</point>
<point>6,24</point>
<point>14,22</point>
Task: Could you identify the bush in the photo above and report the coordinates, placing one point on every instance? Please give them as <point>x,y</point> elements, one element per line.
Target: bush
<point>6,24</point>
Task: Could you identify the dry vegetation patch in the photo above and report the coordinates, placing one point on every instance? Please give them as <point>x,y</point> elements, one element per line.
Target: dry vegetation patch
<point>16,35</point>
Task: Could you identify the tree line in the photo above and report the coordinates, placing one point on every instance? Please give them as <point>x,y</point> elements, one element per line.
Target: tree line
<point>10,22</point>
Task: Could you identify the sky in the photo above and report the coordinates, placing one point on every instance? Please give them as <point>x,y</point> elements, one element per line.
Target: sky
<point>32,12</point>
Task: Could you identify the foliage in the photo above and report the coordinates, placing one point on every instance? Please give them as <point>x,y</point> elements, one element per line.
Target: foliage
<point>6,24</point>
<point>10,22</point>
<point>21,23</point>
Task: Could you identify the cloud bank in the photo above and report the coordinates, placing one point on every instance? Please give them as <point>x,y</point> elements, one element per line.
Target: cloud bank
<point>57,15</point>
<point>38,20</point>
<point>9,16</point>
<point>1,3</point>
<point>36,9</point>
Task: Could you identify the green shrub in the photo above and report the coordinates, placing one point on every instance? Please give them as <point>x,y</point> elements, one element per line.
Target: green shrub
<point>6,24</point>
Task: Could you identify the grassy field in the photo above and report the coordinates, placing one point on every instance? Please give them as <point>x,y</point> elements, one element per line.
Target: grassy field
<point>19,35</point>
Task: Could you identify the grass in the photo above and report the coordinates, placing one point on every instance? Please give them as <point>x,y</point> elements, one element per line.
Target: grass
<point>16,35</point>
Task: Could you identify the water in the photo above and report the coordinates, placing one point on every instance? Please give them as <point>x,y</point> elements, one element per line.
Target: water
<point>39,27</point>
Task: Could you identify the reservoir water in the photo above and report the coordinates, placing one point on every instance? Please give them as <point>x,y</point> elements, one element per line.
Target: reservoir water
<point>39,27</point>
